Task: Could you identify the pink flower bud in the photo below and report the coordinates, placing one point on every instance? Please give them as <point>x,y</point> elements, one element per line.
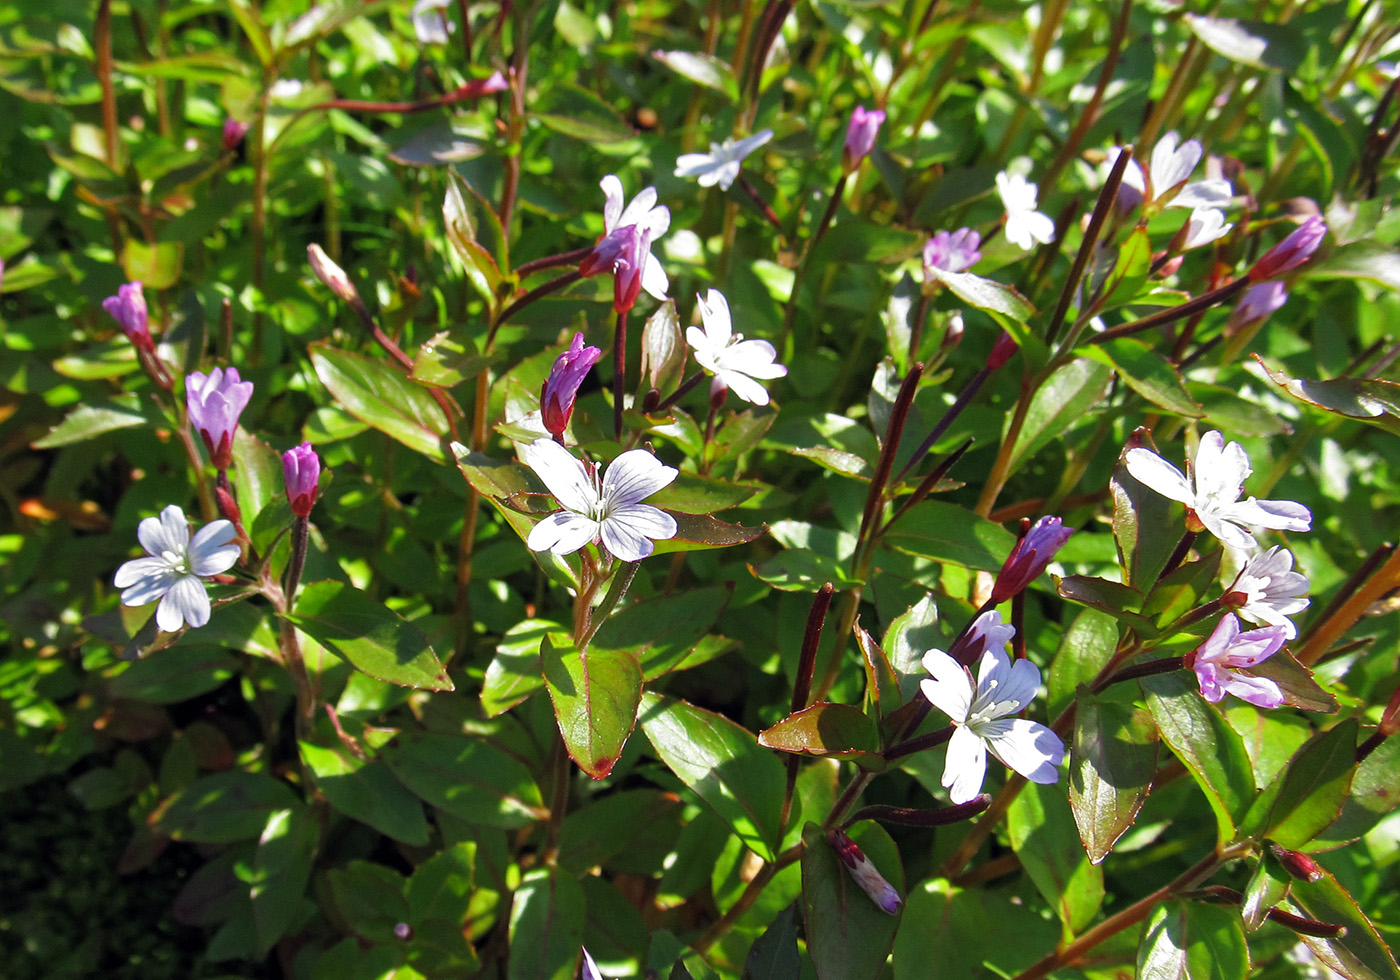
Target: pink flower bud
<point>332,275</point>
<point>1029,557</point>
<point>215,402</point>
<point>864,873</point>
<point>1001,351</point>
<point>860,136</point>
<point>1292,252</point>
<point>128,308</point>
<point>233,134</point>
<point>302,469</point>
<point>1297,864</point>
<point>1255,305</point>
<point>561,387</point>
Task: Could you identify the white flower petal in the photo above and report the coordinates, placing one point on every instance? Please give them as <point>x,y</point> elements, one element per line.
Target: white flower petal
<point>1027,747</point>
<point>743,386</point>
<point>169,532</point>
<point>563,533</point>
<point>950,690</point>
<point>186,602</point>
<point>612,205</point>
<point>625,543</point>
<point>965,766</point>
<point>628,533</point>
<point>714,314</point>
<point>638,210</point>
<point>144,580</point>
<point>1258,691</point>
<point>1209,194</point>
<point>1171,166</point>
<point>632,477</point>
<point>754,358</point>
<point>1016,685</point>
<point>1280,515</point>
<point>1227,531</point>
<point>564,475</point>
<point>1155,473</point>
<point>212,550</point>
<point>1219,469</point>
<point>695,164</point>
<point>654,279</point>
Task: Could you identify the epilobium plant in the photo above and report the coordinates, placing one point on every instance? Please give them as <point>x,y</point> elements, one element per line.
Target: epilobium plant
<point>176,567</point>
<point>721,164</point>
<point>737,364</point>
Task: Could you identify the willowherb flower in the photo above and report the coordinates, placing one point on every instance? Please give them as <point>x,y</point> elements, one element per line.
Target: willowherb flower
<point>1267,590</point>
<point>1165,183</point>
<point>983,712</point>
<point>128,308</point>
<point>561,387</point>
<point>734,361</point>
<point>860,136</point>
<point>1205,225</point>
<point>301,471</point>
<point>1292,252</point>
<point>1029,557</point>
<point>628,234</point>
<point>1024,224</point>
<point>430,25</point>
<point>1217,663</point>
<point>721,164</point>
<point>232,134</point>
<point>607,510</point>
<point>214,402</point>
<point>987,632</point>
<point>1212,494</point>
<point>952,251</point>
<point>176,567</point>
<point>1257,303</point>
<point>864,873</point>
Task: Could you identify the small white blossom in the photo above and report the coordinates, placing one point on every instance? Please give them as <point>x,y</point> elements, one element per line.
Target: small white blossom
<point>607,510</point>
<point>1212,494</point>
<point>1165,183</point>
<point>1203,227</point>
<point>982,713</point>
<point>430,26</point>
<point>175,570</point>
<point>1024,224</point>
<point>721,164</point>
<point>734,361</point>
<point>1273,591</point>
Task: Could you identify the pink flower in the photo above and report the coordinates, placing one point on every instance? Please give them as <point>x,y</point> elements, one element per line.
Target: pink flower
<point>215,401</point>
<point>1292,252</point>
<point>860,136</point>
<point>1029,557</point>
<point>561,387</point>
<point>952,252</point>
<point>1217,663</point>
<point>1256,304</point>
<point>233,134</point>
<point>128,308</point>
<point>301,468</point>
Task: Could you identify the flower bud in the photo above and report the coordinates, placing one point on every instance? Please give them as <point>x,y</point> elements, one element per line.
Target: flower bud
<point>864,873</point>
<point>561,387</point>
<point>1255,305</point>
<point>1001,351</point>
<point>214,402</point>
<point>228,506</point>
<point>860,136</point>
<point>332,275</point>
<point>302,469</point>
<point>128,308</point>
<point>1297,864</point>
<point>1292,252</point>
<point>233,134</point>
<point>627,271</point>
<point>1029,557</point>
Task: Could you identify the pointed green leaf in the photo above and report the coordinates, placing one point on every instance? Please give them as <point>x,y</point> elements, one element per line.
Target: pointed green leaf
<point>824,729</point>
<point>1067,398</point>
<point>281,869</point>
<point>1112,762</point>
<point>1192,941</point>
<point>90,420</point>
<point>773,955</point>
<point>1375,794</point>
<point>1146,528</point>
<point>379,395</point>
<point>546,926</point>
<point>223,807</point>
<point>1268,886</point>
<point>1043,835</point>
<point>660,633</point>
<point>367,792</point>
<point>470,779</point>
<point>1358,954</point>
<point>595,695</point>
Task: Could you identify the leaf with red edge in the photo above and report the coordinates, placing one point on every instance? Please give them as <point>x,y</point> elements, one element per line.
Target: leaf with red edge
<point>595,695</point>
<point>824,729</point>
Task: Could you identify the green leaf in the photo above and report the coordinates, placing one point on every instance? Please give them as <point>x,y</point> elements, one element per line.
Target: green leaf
<point>693,494</point>
<point>156,266</point>
<point>1358,954</point>
<point>1375,793</point>
<point>441,887</point>
<point>773,955</point>
<point>514,674</point>
<point>1148,373</point>
<point>369,897</point>
<point>1296,682</point>
<point>112,358</point>
<point>1112,762</point>
<point>936,937</point>
<point>447,360</point>
<point>1084,651</point>
<point>261,488</point>
<point>1366,260</point>
<point>576,112</point>
<point>987,294</point>
<point>723,764</point>
<point>660,633</point>
<point>1067,398</point>
<point>802,570</point>
<point>595,695</point>
<point>369,636</point>
<point>223,808</point>
<point>848,935</point>
<point>1267,887</point>
<point>470,779</point>
<point>379,395</point>
<point>1310,794</point>
<point>546,926</point>
<point>459,207</point>
<point>1213,753</point>
<point>702,69</point>
<point>622,830</point>
<point>948,533</point>
<point>92,419</point>
<point>824,729</point>
<point>701,532</point>
<point>1192,941</point>
<point>367,792</point>
<point>1129,274</point>
<point>1369,399</point>
<point>1181,590</point>
<point>1043,835</point>
<point>281,869</point>
<point>1118,600</point>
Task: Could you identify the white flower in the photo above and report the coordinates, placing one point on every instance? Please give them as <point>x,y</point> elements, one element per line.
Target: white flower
<point>721,164</point>
<point>430,26</point>
<point>174,571</point>
<point>734,361</point>
<point>607,510</point>
<point>980,711</point>
<point>1203,227</point>
<point>1273,591</point>
<point>1024,224</point>
<point>648,217</point>
<point>1212,494</point>
<point>1170,169</point>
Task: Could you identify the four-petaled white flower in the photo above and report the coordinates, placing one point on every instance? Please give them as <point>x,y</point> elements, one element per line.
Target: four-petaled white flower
<point>981,711</point>
<point>650,219</point>
<point>1024,224</point>
<point>721,164</point>
<point>609,509</point>
<point>1272,590</point>
<point>1212,494</point>
<point>177,565</point>
<point>734,361</point>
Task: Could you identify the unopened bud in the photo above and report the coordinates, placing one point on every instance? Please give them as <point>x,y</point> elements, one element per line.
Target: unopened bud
<point>1001,351</point>
<point>718,392</point>
<point>864,873</point>
<point>1028,558</point>
<point>301,468</point>
<point>233,134</point>
<point>403,930</point>
<point>1292,252</point>
<point>332,275</point>
<point>651,401</point>
<point>228,507</point>
<point>1296,863</point>
<point>860,136</point>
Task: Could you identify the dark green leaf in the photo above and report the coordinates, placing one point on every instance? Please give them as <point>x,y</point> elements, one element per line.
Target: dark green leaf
<point>470,779</point>
<point>281,870</point>
<point>1112,762</point>
<point>1042,831</point>
<point>1368,260</point>
<point>701,532</point>
<point>1066,399</point>
<point>949,533</point>
<point>1085,650</point>
<point>1375,793</point>
<point>595,697</point>
<point>1192,941</point>
<point>1119,601</point>
<point>223,808</point>
<point>1267,887</point>
<point>367,792</point>
<point>441,887</point>
<point>369,897</point>
<point>379,395</point>
<point>987,294</point>
<point>1358,954</point>
<point>848,935</point>
<point>447,360</point>
<point>1369,399</point>
<point>369,636</point>
<point>1311,791</point>
<point>546,926</point>
<point>579,113</point>
<point>1296,682</point>
<point>514,673</point>
<point>1181,590</point>
<point>660,633</point>
<point>691,494</point>
<point>90,420</point>
<point>773,955</point>
<point>1146,527</point>
<point>1148,373</point>
<point>935,939</point>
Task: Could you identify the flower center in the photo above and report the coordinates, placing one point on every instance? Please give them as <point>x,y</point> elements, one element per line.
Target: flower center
<point>178,561</point>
